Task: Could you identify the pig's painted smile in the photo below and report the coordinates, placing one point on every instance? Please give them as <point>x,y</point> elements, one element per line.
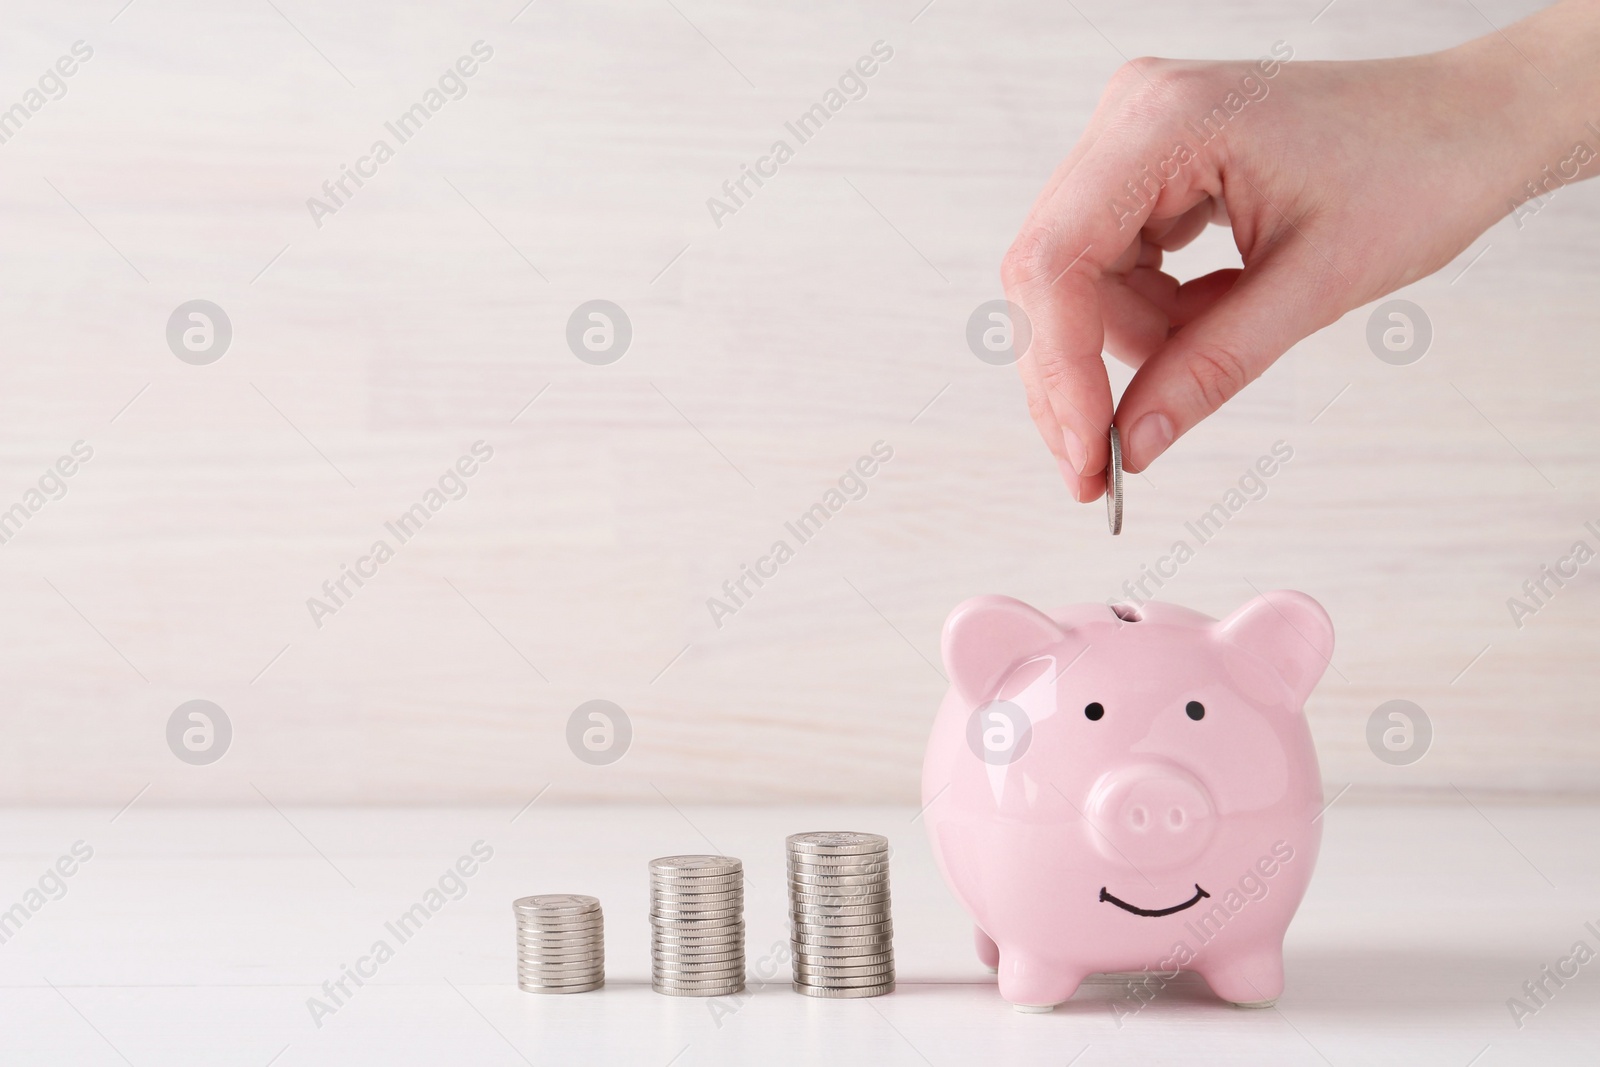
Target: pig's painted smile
<point>1199,895</point>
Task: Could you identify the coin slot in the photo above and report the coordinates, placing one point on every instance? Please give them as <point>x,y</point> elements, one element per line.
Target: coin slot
<point>1127,613</point>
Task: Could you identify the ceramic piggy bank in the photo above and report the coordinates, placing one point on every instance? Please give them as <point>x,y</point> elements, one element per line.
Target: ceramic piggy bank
<point>1121,789</point>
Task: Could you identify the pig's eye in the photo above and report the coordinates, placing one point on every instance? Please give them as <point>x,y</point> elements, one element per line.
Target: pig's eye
<point>1196,710</point>
<point>1094,711</point>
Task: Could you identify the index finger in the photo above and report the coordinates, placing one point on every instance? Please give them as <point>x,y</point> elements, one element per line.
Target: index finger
<point>1083,222</point>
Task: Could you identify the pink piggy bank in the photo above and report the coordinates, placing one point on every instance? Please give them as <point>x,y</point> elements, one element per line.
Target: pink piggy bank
<point>1121,789</point>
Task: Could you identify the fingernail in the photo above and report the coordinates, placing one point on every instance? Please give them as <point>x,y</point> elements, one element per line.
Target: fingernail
<point>1149,438</point>
<point>1074,446</point>
<point>1069,476</point>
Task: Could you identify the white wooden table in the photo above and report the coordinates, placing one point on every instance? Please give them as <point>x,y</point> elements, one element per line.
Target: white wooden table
<point>197,937</point>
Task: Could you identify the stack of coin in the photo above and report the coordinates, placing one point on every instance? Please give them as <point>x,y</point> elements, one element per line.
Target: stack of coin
<point>696,926</point>
<point>560,943</point>
<point>840,931</point>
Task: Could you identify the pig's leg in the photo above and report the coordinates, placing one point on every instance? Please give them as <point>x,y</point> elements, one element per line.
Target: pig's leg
<point>1252,979</point>
<point>1034,983</point>
<point>988,951</point>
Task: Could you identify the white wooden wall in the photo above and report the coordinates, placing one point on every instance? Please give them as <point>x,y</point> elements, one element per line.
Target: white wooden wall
<point>768,354</point>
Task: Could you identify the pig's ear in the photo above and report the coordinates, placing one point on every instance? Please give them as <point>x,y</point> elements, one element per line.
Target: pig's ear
<point>988,635</point>
<point>1289,632</point>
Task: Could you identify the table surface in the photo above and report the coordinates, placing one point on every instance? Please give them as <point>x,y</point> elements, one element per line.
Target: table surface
<point>198,936</point>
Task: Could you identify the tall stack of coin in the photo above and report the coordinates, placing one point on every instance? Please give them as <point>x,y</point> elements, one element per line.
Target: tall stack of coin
<point>696,926</point>
<point>560,943</point>
<point>839,923</point>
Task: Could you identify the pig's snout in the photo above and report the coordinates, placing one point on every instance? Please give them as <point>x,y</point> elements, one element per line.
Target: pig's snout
<point>1150,816</point>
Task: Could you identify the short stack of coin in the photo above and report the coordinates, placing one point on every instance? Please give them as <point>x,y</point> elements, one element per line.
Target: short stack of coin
<point>696,926</point>
<point>840,930</point>
<point>560,943</point>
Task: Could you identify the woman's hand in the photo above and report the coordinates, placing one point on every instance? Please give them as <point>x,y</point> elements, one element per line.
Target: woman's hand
<point>1341,182</point>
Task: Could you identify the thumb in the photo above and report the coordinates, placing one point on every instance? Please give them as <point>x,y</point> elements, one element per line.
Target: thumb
<point>1288,295</point>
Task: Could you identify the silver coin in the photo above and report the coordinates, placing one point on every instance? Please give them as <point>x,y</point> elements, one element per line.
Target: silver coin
<point>704,974</point>
<point>722,991</point>
<point>576,978</point>
<point>674,911</point>
<point>721,972</point>
<point>550,922</point>
<point>705,862</point>
<point>815,905</point>
<point>734,876</point>
<point>800,908</point>
<point>848,992</point>
<point>855,982</point>
<point>677,964</point>
<point>574,948</point>
<point>676,906</point>
<point>1114,484</point>
<point>702,925</point>
<point>826,975</point>
<point>529,987</point>
<point>709,889</point>
<point>837,865</point>
<point>841,924</point>
<point>674,914</point>
<point>557,902</point>
<point>723,958</point>
<point>882,942</point>
<point>836,843</point>
<point>563,944</point>
<point>669,932</point>
<point>533,982</point>
<point>857,853</point>
<point>804,930</point>
<point>658,915</point>
<point>668,943</point>
<point>555,963</point>
<point>585,957</point>
<point>674,954</point>
<point>834,859</point>
<point>731,889</point>
<point>811,880</point>
<point>586,933</point>
<point>820,915</point>
<point>575,975</point>
<point>677,931</point>
<point>844,896</point>
<point>691,878</point>
<point>867,974</point>
<point>866,958</point>
<point>814,881</point>
<point>694,984</point>
<point>713,933</point>
<point>597,959</point>
<point>836,923</point>
<point>880,873</point>
<point>846,865</point>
